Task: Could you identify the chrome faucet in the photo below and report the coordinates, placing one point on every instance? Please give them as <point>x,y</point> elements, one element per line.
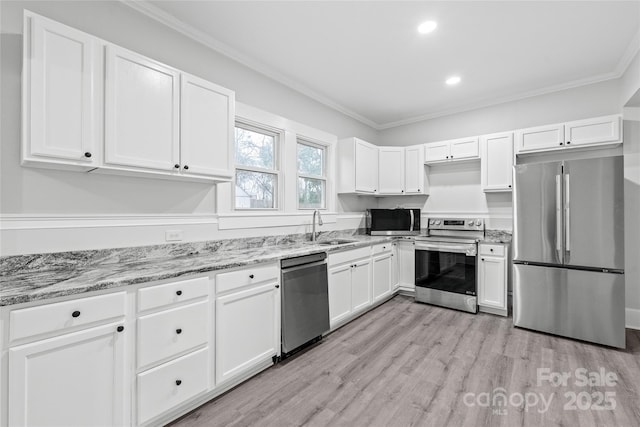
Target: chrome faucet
<point>313,232</point>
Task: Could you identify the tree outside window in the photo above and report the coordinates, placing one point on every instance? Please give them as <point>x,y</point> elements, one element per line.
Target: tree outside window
<point>256,169</point>
<point>312,181</point>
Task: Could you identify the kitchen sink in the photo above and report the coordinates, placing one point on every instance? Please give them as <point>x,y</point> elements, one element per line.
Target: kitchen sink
<point>335,242</point>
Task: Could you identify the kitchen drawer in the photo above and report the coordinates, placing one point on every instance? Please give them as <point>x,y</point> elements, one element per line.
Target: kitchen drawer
<point>170,384</point>
<point>496,250</point>
<point>170,332</point>
<point>245,277</point>
<point>171,293</point>
<point>59,316</point>
<point>348,256</point>
<point>382,247</point>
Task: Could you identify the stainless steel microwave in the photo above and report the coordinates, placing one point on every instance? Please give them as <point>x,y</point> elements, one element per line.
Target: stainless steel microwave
<point>393,222</point>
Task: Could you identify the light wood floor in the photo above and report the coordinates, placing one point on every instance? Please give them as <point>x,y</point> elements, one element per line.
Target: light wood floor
<point>406,363</point>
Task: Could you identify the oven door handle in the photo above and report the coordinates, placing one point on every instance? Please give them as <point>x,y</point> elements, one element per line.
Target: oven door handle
<point>469,250</point>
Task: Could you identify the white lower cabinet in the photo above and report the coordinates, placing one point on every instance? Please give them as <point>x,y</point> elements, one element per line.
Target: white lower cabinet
<point>350,286</point>
<point>76,379</point>
<point>247,327</point>
<point>406,265</point>
<point>382,276</point>
<point>493,278</point>
<point>172,383</point>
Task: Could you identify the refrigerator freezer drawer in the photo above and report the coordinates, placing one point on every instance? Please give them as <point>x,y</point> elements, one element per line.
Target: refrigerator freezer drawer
<point>579,304</point>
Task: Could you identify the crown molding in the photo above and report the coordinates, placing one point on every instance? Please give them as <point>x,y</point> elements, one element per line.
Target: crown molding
<point>148,9</point>
<point>201,37</point>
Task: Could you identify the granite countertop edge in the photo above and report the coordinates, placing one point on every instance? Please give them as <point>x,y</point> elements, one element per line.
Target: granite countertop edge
<point>121,275</point>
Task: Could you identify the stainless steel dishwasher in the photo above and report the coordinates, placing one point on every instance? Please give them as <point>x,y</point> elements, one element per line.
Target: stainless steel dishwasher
<point>305,300</point>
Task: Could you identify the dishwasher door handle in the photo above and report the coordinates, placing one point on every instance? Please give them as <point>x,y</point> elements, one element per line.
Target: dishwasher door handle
<point>300,267</point>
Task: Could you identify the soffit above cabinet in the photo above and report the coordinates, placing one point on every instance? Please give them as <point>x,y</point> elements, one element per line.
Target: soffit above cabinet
<point>493,46</point>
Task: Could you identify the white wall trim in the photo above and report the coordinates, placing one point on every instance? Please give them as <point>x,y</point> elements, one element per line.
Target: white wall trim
<point>271,219</point>
<point>633,318</point>
<point>170,21</point>
<point>34,222</point>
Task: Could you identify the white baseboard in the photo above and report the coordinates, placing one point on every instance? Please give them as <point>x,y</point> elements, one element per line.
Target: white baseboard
<point>632,318</point>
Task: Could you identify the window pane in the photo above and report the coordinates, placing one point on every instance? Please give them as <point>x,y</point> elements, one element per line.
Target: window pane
<point>310,193</point>
<point>255,190</point>
<point>255,149</point>
<point>310,160</point>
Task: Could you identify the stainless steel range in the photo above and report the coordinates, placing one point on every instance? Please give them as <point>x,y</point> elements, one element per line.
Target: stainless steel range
<point>446,263</point>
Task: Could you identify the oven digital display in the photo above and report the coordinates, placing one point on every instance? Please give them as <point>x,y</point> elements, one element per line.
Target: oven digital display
<point>453,222</point>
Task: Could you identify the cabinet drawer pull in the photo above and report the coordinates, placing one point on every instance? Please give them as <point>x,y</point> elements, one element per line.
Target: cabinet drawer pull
<point>87,154</point>
<point>120,328</point>
<point>178,382</point>
<point>491,249</point>
<point>75,314</point>
<point>178,331</point>
<point>178,293</point>
<point>251,276</point>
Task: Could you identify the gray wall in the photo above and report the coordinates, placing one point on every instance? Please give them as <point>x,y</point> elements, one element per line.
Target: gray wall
<point>33,191</point>
<point>572,104</point>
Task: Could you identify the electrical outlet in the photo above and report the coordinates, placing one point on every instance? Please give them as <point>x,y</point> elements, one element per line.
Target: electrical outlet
<point>173,235</point>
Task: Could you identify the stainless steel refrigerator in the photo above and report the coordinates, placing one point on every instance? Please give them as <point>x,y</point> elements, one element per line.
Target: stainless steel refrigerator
<point>568,242</point>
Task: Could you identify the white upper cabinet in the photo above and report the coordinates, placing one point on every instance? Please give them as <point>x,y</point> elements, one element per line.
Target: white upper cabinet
<point>206,126</point>
<point>598,131</point>
<point>391,170</point>
<point>60,97</point>
<point>540,138</point>
<point>496,161</point>
<point>593,131</point>
<point>142,106</point>
<point>436,152</point>
<point>414,173</point>
<point>452,150</point>
<point>158,121</point>
<point>357,166</point>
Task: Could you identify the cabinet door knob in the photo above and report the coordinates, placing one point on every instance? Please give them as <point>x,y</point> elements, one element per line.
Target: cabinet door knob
<point>87,154</point>
<point>120,328</point>
<point>447,157</point>
<point>277,286</point>
<point>185,167</point>
<point>178,331</point>
<point>568,142</point>
<point>177,166</point>
<point>251,276</point>
<point>482,259</point>
<point>452,156</point>
<point>509,185</point>
<point>75,314</point>
<point>491,249</point>
<point>561,143</point>
<point>178,293</point>
<point>178,382</point>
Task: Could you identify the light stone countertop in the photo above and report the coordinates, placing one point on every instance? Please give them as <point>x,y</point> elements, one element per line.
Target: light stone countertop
<point>26,278</point>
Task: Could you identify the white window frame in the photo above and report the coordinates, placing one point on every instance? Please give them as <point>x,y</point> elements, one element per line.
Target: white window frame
<point>300,140</point>
<point>278,136</point>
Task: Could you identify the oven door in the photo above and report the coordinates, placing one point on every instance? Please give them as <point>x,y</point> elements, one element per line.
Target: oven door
<point>445,266</point>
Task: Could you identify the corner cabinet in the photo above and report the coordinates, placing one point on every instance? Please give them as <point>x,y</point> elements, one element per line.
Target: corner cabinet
<point>92,106</point>
<point>406,265</point>
<point>60,102</point>
<point>493,278</point>
<point>452,150</point>
<point>496,162</point>
<point>391,170</point>
<point>357,167</point>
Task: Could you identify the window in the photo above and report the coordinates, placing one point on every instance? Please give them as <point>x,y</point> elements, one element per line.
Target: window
<point>256,168</point>
<point>312,181</point>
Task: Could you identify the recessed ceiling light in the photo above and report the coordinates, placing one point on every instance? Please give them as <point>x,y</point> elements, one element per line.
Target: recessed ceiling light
<point>427,27</point>
<point>453,80</point>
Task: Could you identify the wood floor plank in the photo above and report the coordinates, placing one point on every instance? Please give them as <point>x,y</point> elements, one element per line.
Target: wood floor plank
<point>411,364</point>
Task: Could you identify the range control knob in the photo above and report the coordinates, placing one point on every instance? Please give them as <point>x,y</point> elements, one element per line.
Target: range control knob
<point>470,222</point>
<point>478,222</point>
<point>437,222</point>
<point>431,222</point>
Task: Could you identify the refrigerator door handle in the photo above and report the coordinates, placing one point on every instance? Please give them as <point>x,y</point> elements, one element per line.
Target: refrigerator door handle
<point>559,217</point>
<point>567,217</point>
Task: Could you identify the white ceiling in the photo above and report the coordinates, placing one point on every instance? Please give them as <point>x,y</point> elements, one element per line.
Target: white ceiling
<point>366,59</point>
